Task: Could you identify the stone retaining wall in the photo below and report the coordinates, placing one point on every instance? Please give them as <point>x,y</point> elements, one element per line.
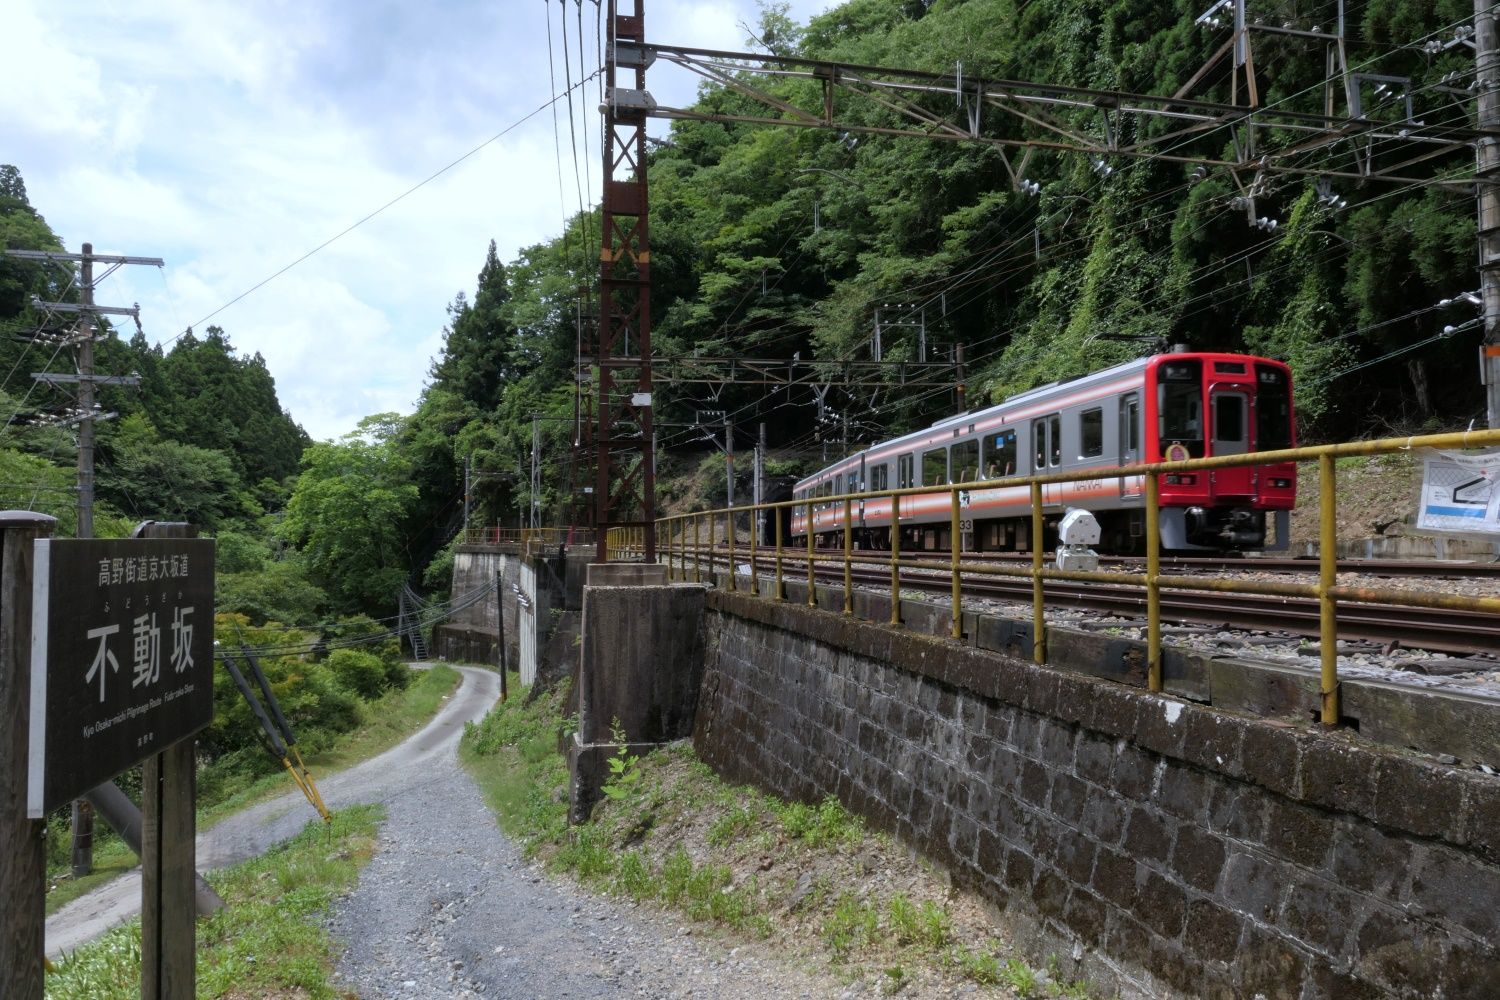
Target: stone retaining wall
<point>1166,848</point>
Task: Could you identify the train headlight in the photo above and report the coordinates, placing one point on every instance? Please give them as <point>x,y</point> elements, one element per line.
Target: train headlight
<point>1182,479</point>
<point>1281,484</point>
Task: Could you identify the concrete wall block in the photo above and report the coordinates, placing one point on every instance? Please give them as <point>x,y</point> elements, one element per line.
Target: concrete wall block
<point>1105,817</point>
<point>1338,777</point>
<point>1161,726</point>
<point>1269,964</point>
<point>1185,792</point>
<point>1238,811</point>
<point>1070,797</point>
<point>1321,916</point>
<point>1212,932</point>
<point>1198,857</point>
<point>1298,833</point>
<point>1481,816</point>
<point>1094,757</point>
<point>1253,886</point>
<point>1214,741</point>
<point>1453,888</point>
<point>1419,797</point>
<point>1150,836</point>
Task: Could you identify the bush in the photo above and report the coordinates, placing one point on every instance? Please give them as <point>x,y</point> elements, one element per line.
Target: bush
<point>360,672</point>
<point>316,705</point>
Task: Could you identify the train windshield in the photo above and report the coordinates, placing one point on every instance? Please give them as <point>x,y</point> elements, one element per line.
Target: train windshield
<point>1273,409</point>
<point>1180,406</point>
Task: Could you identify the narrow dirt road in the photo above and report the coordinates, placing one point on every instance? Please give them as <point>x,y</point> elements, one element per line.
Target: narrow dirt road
<point>253,831</point>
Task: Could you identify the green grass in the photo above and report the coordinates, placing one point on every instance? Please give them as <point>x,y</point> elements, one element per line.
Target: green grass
<point>389,720</point>
<point>269,939</point>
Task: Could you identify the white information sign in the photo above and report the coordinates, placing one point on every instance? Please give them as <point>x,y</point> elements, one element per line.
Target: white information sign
<point>1461,492</point>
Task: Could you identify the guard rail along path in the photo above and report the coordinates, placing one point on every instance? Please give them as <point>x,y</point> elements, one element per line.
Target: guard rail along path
<point>689,540</point>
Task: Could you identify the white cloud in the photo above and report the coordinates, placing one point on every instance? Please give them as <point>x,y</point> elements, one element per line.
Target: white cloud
<point>230,139</point>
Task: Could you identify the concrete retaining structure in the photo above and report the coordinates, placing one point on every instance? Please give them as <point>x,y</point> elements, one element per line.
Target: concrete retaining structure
<point>469,635</point>
<point>640,667</point>
<point>1166,848</point>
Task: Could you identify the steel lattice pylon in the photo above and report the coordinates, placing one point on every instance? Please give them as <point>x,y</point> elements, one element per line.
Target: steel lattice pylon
<point>625,473</point>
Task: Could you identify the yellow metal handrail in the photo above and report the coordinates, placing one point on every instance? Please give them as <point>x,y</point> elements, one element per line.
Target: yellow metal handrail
<point>1327,591</point>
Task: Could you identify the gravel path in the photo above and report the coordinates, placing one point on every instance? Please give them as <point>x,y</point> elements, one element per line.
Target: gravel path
<point>449,908</point>
<point>253,831</point>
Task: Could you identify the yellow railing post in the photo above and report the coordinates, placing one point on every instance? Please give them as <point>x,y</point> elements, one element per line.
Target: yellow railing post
<point>812,577</point>
<point>1038,614</point>
<point>754,538</point>
<point>1328,627</point>
<point>957,629</point>
<point>1153,586</point>
<point>780,594</point>
<point>733,586</point>
<point>848,558</point>
<point>697,552</point>
<point>713,571</point>
<point>895,560</point>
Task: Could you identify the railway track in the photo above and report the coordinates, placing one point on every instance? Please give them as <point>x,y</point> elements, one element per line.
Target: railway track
<point>1447,569</point>
<point>1392,625</point>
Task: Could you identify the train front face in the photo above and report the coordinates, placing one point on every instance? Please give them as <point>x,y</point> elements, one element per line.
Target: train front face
<point>1204,405</point>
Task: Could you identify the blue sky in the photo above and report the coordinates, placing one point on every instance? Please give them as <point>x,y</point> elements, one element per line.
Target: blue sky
<point>230,139</point>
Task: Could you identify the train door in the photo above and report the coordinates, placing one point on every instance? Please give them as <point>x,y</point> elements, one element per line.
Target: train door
<point>1046,446</point>
<point>1230,435</point>
<point>1130,442</point>
<point>861,484</point>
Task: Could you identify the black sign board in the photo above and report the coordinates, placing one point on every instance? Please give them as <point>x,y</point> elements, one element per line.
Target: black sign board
<point>121,657</point>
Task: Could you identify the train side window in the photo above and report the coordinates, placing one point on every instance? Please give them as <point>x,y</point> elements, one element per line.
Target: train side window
<point>1000,455</point>
<point>905,471</point>
<point>1039,444</point>
<point>1131,414</point>
<point>880,476</point>
<point>1091,433</point>
<point>1054,430</point>
<point>965,459</point>
<point>935,467</point>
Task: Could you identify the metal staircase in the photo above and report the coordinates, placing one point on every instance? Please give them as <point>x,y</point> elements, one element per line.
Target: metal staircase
<point>408,622</point>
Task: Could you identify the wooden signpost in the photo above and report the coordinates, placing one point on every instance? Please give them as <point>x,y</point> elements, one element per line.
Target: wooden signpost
<point>106,661</point>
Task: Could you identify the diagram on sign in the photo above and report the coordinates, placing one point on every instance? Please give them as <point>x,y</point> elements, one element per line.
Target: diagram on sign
<point>1460,493</point>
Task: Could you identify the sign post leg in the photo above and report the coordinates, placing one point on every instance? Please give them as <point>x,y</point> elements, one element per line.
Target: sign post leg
<point>23,855</point>
<point>168,867</point>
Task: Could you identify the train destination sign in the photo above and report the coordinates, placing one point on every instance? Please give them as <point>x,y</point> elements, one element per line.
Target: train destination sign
<point>121,657</point>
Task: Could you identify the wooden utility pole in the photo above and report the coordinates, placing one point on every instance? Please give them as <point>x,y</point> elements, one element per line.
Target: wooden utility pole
<point>1487,80</point>
<point>23,854</point>
<point>83,339</point>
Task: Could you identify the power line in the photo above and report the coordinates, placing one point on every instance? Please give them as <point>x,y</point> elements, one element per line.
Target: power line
<point>400,197</point>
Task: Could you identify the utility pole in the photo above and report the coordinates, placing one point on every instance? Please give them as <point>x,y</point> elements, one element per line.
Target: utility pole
<point>1487,82</point>
<point>729,462</point>
<point>86,380</point>
<point>468,461</point>
<point>759,486</point>
<point>536,471</point>
<point>958,385</point>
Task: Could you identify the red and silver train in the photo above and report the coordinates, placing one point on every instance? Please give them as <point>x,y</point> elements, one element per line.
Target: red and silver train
<point>1168,406</point>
